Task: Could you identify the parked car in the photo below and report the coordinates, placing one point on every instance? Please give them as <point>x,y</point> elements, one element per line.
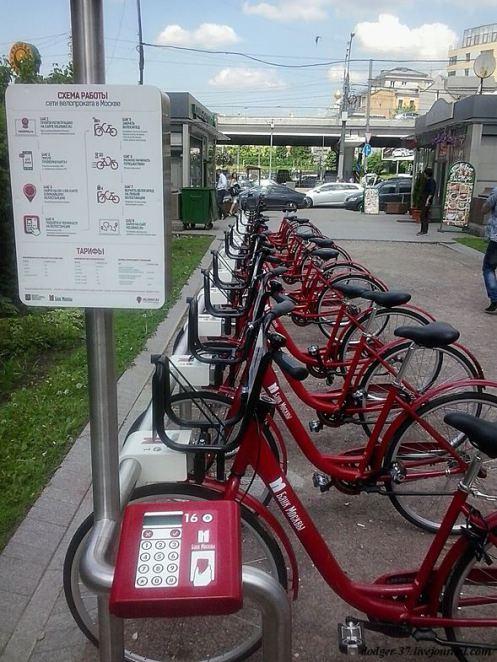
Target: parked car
<point>332,193</point>
<point>273,196</point>
<point>307,181</point>
<point>392,190</point>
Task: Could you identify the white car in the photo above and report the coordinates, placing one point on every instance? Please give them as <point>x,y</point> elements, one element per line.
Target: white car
<point>333,194</point>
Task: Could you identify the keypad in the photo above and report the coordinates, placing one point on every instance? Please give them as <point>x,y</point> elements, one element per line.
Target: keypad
<point>158,558</point>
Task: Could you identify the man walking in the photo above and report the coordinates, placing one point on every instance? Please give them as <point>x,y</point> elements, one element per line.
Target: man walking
<point>221,191</point>
<point>427,194</point>
<point>490,258</point>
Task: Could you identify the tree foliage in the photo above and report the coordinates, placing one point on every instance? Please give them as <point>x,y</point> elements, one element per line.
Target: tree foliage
<point>27,73</point>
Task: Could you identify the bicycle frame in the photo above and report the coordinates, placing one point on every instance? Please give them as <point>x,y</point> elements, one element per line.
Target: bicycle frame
<point>413,602</point>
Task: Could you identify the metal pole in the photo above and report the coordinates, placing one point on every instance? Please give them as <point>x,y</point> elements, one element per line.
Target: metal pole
<point>89,67</point>
<point>368,111</point>
<point>141,61</point>
<point>345,108</point>
<point>271,151</point>
<point>276,614</point>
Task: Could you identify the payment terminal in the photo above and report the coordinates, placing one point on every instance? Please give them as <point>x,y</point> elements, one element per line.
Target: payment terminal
<point>178,559</point>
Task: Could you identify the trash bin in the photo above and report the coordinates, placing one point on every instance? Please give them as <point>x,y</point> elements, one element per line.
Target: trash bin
<point>198,206</point>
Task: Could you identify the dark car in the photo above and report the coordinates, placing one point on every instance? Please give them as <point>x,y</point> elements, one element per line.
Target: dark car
<point>392,190</point>
<point>273,196</point>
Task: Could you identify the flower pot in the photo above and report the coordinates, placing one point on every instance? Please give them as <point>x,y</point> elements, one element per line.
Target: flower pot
<point>416,215</point>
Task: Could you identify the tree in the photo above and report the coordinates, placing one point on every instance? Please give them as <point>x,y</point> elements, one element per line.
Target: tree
<point>331,160</point>
<point>27,73</point>
<point>375,163</point>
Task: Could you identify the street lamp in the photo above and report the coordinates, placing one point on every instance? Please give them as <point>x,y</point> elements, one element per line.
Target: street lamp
<point>344,108</point>
<point>271,150</point>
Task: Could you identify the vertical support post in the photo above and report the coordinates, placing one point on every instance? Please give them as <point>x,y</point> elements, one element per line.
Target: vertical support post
<point>186,154</point>
<point>344,109</point>
<point>368,111</point>
<point>271,151</point>
<point>141,56</point>
<point>238,160</point>
<point>89,67</point>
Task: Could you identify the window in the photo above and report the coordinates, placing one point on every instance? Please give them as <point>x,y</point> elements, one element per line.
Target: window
<point>466,72</point>
<point>405,187</point>
<point>453,59</point>
<point>411,104</point>
<point>468,57</point>
<point>388,188</point>
<point>485,39</point>
<point>494,36</point>
<point>400,103</point>
<point>452,73</point>
<point>476,39</point>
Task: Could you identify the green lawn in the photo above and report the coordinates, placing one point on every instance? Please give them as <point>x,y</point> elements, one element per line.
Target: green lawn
<point>474,242</point>
<point>43,384</point>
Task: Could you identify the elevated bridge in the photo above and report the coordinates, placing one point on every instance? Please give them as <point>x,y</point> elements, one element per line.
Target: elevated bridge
<point>312,131</point>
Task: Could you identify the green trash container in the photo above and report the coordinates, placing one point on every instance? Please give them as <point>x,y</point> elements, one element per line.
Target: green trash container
<point>198,206</point>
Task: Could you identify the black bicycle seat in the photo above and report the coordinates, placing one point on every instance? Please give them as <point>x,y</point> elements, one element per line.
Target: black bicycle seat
<point>349,291</point>
<point>323,242</point>
<point>482,434</point>
<point>435,334</point>
<point>325,253</point>
<point>305,234</point>
<point>387,299</point>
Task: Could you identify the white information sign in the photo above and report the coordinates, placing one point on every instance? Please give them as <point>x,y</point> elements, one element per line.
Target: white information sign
<point>87,188</point>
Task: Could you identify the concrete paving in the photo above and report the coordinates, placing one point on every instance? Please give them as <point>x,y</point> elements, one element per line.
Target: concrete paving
<point>364,532</point>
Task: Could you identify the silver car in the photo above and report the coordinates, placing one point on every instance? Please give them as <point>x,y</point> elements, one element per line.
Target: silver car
<point>333,194</point>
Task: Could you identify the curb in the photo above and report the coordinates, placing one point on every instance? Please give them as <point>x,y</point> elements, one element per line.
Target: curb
<point>32,561</point>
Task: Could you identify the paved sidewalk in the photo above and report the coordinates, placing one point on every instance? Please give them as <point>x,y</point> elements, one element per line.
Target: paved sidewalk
<point>364,532</point>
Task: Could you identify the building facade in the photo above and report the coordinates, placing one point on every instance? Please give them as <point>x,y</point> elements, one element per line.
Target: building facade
<point>396,91</point>
<point>474,42</point>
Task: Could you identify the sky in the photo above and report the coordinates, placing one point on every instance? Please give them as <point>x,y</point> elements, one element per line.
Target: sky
<point>286,34</point>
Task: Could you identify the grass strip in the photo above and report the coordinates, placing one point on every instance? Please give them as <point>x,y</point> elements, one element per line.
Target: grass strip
<point>39,421</point>
<point>477,243</point>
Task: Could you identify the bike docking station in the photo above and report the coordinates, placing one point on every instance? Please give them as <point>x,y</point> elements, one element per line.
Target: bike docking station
<point>91,232</point>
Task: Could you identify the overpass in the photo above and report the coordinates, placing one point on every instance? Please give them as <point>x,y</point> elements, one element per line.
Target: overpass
<point>312,131</point>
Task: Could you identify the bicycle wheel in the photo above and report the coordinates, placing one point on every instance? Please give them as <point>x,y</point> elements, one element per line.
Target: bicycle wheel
<point>471,592</point>
<point>427,369</point>
<point>385,322</point>
<point>208,408</point>
<point>425,476</point>
<point>327,299</point>
<point>237,636</point>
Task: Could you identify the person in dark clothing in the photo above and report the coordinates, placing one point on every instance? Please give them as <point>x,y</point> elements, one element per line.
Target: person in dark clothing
<point>427,195</point>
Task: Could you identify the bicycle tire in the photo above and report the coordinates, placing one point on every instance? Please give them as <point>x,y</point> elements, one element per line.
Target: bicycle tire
<point>467,574</point>
<point>426,509</point>
<point>81,612</point>
<point>438,369</point>
<point>367,281</point>
<point>384,317</point>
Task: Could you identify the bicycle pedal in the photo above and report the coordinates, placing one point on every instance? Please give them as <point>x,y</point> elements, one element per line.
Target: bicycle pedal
<point>315,426</point>
<point>351,637</point>
<point>321,481</point>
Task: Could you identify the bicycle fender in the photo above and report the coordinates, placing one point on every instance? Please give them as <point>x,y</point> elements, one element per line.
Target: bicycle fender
<point>274,527</point>
<point>455,552</point>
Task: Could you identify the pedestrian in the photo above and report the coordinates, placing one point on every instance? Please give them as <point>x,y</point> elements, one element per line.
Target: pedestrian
<point>427,195</point>
<point>221,190</point>
<point>490,259</point>
<point>234,191</point>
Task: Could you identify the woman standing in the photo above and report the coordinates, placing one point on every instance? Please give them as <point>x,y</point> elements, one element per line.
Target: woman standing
<point>234,189</point>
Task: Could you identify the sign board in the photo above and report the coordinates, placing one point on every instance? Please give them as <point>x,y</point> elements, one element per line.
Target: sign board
<point>87,187</point>
<point>458,194</point>
<point>397,154</point>
<point>367,149</point>
<point>371,201</point>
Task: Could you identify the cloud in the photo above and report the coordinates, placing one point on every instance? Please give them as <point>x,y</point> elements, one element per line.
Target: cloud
<point>389,35</point>
<point>289,10</point>
<point>335,74</point>
<point>243,78</point>
<point>207,35</point>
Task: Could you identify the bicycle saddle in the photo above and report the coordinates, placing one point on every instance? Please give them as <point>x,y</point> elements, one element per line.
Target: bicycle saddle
<point>349,291</point>
<point>481,433</point>
<point>435,334</point>
<point>323,242</point>
<point>325,253</point>
<point>387,299</point>
<point>305,234</point>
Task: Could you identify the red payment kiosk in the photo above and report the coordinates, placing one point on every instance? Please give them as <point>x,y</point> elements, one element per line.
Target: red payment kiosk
<point>178,559</point>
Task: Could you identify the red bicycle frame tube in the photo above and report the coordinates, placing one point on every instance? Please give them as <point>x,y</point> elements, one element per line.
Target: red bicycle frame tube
<point>380,601</point>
